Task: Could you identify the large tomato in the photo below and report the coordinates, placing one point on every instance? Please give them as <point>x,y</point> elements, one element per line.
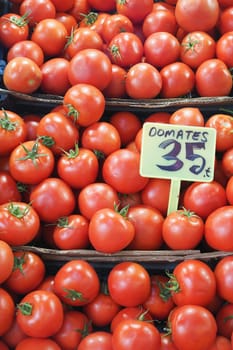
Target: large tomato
<point>6,260</point>
<point>130,313</point>
<point>76,283</point>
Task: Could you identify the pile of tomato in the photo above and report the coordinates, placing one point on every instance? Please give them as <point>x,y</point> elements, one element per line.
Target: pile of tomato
<point>70,179</point>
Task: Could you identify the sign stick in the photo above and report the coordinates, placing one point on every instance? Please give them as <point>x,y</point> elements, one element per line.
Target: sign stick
<point>174,195</point>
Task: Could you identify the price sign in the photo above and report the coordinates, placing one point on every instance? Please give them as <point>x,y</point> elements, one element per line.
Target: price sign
<point>178,153</point>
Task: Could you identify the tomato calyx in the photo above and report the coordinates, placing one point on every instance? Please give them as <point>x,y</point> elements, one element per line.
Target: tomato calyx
<point>63,222</point>
<point>99,154</point>
<point>72,153</point>
<point>170,287</point>
<point>123,211</point>
<point>22,188</point>
<point>114,49</point>
<point>164,292</point>
<point>46,140</point>
<point>32,154</point>
<point>73,295</point>
<point>19,21</point>
<point>188,213</point>
<point>6,123</point>
<point>90,18</point>
<point>19,261</point>
<point>16,211</point>
<point>190,44</point>
<point>25,308</point>
<point>72,112</point>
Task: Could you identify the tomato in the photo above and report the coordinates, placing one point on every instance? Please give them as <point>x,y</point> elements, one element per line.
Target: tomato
<point>135,334</point>
<point>192,282</point>
<point>22,74</point>
<point>115,24</point>
<point>94,21</point>
<point>178,79</point>
<point>182,229</point>
<point>76,283</point>
<point>185,325</point>
<point>107,6</point>
<point>125,49</point>
<point>13,29</point>
<point>40,314</point>
<point>27,274</point>
<point>224,317</point>
<point>187,116</point>
<point>63,6</point>
<point>159,21</point>
<point>8,188</point>
<point>122,180</point>
<point>129,199</point>
<point>7,311</point>
<point>127,123</point>
<point>37,10</point>
<point>225,23</point>
<point>78,167</point>
<point>223,124</point>
<point>161,49</point>
<point>197,47</point>
<point>224,48</point>
<point>6,260</point>
<point>159,305</point>
<point>50,35</point>
<point>26,48</point>
<point>130,313</point>
<point>148,224</point>
<point>76,100</point>
<point>129,283</point>
<point>135,10</point>
<point>80,9</point>
<point>31,162</point>
<point>58,129</point>
<point>67,20</point>
<point>19,223</point>
<point>158,117</point>
<point>156,194</point>
<point>14,335</point>
<point>221,343</point>
<point>31,120</point>
<point>98,340</point>
<point>83,38</point>
<point>101,310</point>
<point>204,197</point>
<point>197,15</point>
<point>96,196</point>
<point>167,342</point>
<point>116,86</point>
<point>143,81</point>
<point>213,78</point>
<point>229,190</point>
<point>71,232</point>
<point>76,325</point>
<point>37,344</point>
<point>223,274</point>
<point>102,137</point>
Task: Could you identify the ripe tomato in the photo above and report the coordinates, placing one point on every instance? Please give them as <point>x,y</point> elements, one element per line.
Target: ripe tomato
<point>6,260</point>
<point>148,224</point>
<point>223,274</point>
<point>76,283</point>
<point>116,86</point>
<point>37,10</point>
<point>224,317</point>
<point>63,6</point>
<point>76,100</point>
<point>182,229</point>
<point>19,223</point>
<point>80,9</point>
<point>31,162</point>
<point>96,340</point>
<point>28,272</point>
<point>213,78</point>
<point>224,48</point>
<point>115,24</point>
<point>123,181</point>
<point>7,311</point>
<point>90,66</point>
<point>68,20</point>
<point>130,313</point>
<point>8,188</point>
<point>135,334</point>
<point>223,124</point>
<point>40,314</point>
<point>159,20</point>
<point>221,343</point>
<point>135,10</point>
<point>185,325</point>
<point>37,344</point>
<point>192,282</point>
<point>197,15</point>
<point>187,116</point>
<point>167,342</point>
<point>22,74</point>
<point>143,80</point>
<point>31,120</point>
<point>52,198</point>
<point>26,48</point>
<point>71,232</point>
<point>96,196</point>
<point>13,29</point>
<point>225,20</point>
<point>204,197</point>
<point>129,283</point>
<point>94,21</point>
<point>106,6</point>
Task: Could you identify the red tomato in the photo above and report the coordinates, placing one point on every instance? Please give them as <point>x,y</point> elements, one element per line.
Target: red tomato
<point>213,78</point>
<point>161,48</point>
<point>225,23</point>
<point>31,162</point>
<point>224,316</point>
<point>50,35</point>
<point>7,311</point>
<point>115,24</point>
<point>229,190</point>
<point>224,48</point>
<point>76,283</point>
<point>221,343</point>
<point>80,9</point>
<point>90,66</point>
<point>37,344</point>
<point>26,48</point>
<point>186,331</point>
<point>116,86</point>
<point>135,334</point>
<point>203,198</point>
<point>197,15</point>
<point>108,5</point>
<point>22,74</point>
<point>98,340</point>
<point>158,117</point>
<point>223,124</point>
<point>148,224</point>
<point>6,261</point>
<point>167,342</point>
<point>94,21</point>
<point>159,21</point>
<point>130,313</point>
<point>31,121</point>
<point>37,10</point>
<point>40,314</point>
<point>187,116</point>
<point>28,272</point>
<point>129,283</point>
<point>135,10</point>
<point>123,181</point>
<point>8,188</point>
<point>67,20</point>
<point>13,29</point>
<point>76,100</point>
<point>182,229</point>
<point>143,81</point>
<point>52,198</point>
<point>96,196</point>
<point>63,6</point>
<point>223,274</point>
<point>19,223</point>
<point>71,232</point>
<point>14,335</point>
